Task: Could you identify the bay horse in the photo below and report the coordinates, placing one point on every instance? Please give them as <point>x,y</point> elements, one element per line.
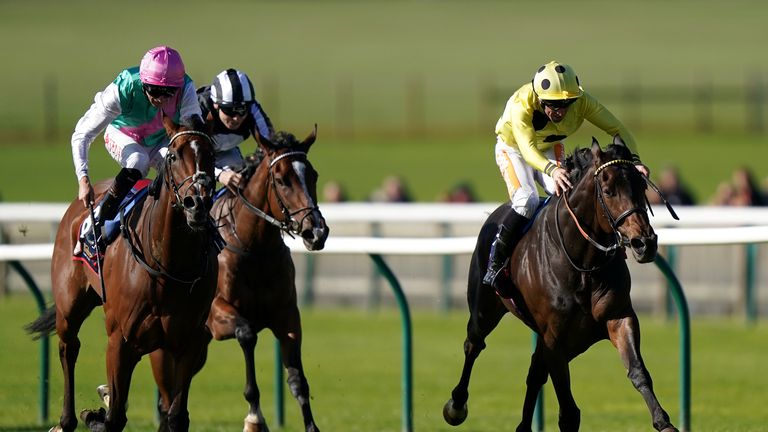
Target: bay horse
<point>160,279</point>
<point>569,283</point>
<point>256,284</point>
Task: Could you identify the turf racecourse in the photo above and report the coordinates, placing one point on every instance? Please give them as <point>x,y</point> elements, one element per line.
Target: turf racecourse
<point>353,363</point>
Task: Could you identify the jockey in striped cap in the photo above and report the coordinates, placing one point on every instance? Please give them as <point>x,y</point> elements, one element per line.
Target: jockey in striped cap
<point>233,114</point>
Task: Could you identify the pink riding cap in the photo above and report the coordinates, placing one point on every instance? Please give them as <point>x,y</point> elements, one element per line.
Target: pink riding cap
<point>162,66</point>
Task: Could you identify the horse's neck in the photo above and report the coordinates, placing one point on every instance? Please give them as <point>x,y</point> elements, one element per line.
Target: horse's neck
<point>251,228</point>
<point>586,210</point>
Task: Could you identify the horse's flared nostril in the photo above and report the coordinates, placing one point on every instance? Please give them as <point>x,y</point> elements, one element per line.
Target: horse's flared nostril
<point>637,244</point>
<point>190,202</point>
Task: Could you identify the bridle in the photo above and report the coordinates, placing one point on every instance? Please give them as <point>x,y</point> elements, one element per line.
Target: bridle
<point>615,222</point>
<point>289,224</point>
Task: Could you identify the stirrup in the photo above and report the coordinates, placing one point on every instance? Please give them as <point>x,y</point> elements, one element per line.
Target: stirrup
<point>492,277</point>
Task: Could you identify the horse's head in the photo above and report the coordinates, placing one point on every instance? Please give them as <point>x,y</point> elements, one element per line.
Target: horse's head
<point>293,186</point>
<point>187,172</point>
<point>619,194</point>
<point>620,190</point>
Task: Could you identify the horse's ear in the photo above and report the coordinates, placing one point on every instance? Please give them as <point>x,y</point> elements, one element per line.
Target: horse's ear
<point>596,152</point>
<point>170,127</point>
<point>310,139</point>
<point>618,141</point>
<point>263,141</point>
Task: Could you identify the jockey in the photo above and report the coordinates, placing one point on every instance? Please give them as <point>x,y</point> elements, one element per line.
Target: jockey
<point>232,113</point>
<point>130,109</point>
<point>536,119</point>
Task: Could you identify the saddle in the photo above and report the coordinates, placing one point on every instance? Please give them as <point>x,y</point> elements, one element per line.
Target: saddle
<point>506,289</point>
<point>91,248</point>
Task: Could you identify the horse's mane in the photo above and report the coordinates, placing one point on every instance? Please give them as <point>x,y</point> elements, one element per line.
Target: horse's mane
<point>279,140</point>
<point>578,163</point>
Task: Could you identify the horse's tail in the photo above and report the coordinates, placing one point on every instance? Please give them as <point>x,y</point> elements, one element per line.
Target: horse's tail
<point>44,325</point>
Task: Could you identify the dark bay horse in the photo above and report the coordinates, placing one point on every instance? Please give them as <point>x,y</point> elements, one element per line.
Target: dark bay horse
<point>569,283</point>
<point>256,287</point>
<point>160,279</point>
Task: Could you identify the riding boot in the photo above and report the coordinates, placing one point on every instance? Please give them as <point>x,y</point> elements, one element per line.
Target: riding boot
<point>510,230</point>
<point>110,202</point>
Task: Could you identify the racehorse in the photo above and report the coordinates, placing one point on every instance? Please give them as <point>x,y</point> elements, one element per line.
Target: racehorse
<point>160,279</point>
<point>256,287</point>
<point>569,283</point>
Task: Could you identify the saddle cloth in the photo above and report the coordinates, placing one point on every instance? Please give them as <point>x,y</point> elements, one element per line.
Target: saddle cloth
<point>111,228</point>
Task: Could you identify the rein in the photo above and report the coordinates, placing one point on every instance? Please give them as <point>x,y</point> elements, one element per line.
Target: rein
<point>621,242</point>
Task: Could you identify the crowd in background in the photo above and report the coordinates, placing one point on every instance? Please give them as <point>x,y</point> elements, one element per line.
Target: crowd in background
<point>741,189</point>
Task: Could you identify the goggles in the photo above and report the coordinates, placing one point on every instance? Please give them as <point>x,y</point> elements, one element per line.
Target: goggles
<point>555,104</point>
<point>239,110</point>
<point>157,91</point>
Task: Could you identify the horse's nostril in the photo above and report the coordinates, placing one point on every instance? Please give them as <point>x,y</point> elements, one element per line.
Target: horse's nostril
<point>190,202</point>
<point>637,243</point>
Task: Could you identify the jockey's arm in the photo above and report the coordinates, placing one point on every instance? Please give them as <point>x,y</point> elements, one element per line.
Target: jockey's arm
<point>105,108</point>
<point>600,116</point>
<point>190,106</point>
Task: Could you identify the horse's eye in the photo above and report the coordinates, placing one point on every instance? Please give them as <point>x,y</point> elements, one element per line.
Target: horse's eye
<point>608,192</point>
<point>172,157</point>
<point>279,181</point>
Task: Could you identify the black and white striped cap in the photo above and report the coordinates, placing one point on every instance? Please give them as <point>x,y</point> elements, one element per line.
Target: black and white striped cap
<point>232,87</point>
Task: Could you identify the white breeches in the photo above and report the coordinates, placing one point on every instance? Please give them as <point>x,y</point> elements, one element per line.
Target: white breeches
<point>521,178</point>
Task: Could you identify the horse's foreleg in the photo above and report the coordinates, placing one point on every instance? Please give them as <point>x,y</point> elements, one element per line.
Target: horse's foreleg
<point>557,366</point>
<point>624,333</point>
<point>537,377</point>
<point>246,337</point>
<point>121,361</point>
<point>184,370</point>
<point>290,346</point>
<point>485,313</point>
<point>163,371</point>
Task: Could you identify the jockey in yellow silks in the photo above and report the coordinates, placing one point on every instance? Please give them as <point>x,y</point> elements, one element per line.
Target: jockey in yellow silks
<point>529,135</point>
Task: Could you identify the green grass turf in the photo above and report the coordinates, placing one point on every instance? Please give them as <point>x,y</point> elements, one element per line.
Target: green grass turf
<point>362,65</point>
<point>353,363</point>
<point>358,68</point>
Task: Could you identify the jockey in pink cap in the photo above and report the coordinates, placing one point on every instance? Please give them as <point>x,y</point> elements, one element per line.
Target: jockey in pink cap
<point>162,66</point>
<point>129,111</point>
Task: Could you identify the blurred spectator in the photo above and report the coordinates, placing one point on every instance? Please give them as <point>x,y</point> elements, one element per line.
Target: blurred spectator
<point>460,193</point>
<point>393,189</point>
<point>333,191</point>
<point>672,187</point>
<point>745,189</point>
<point>723,195</point>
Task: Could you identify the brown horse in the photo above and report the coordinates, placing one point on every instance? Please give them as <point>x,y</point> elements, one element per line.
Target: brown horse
<point>160,279</point>
<point>256,287</point>
<point>569,283</point>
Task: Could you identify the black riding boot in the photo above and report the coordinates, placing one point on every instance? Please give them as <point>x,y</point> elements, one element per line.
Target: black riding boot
<point>509,232</point>
<point>126,178</point>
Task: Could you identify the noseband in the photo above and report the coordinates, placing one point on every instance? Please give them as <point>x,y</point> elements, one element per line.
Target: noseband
<point>289,224</point>
<point>615,222</point>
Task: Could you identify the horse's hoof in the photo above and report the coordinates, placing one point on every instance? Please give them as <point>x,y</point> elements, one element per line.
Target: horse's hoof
<point>453,416</point>
<point>94,419</point>
<point>56,428</point>
<point>670,429</point>
<point>254,424</point>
